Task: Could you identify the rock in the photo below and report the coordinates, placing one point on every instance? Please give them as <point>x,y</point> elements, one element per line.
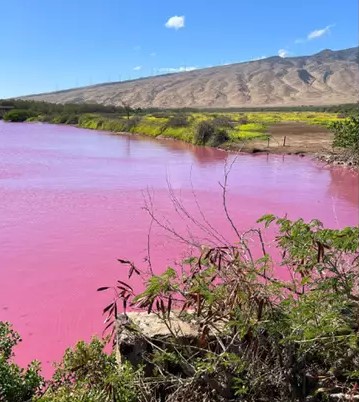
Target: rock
<point>139,333</point>
<point>151,325</point>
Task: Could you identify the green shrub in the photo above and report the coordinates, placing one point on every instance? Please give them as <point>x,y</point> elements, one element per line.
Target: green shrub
<point>114,125</point>
<point>16,384</point>
<point>178,120</point>
<point>219,137</point>
<point>208,133</point>
<point>60,118</point>
<point>88,374</point>
<point>346,134</point>
<point>17,115</point>
<point>72,119</point>
<point>243,120</point>
<point>223,122</point>
<point>204,132</point>
<point>91,121</point>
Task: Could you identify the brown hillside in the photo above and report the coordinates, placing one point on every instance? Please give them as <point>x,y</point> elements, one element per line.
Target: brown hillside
<point>329,77</point>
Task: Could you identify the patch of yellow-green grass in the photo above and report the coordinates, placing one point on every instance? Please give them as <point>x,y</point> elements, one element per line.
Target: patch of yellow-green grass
<point>268,118</point>
<point>155,120</point>
<point>248,131</point>
<point>241,135</point>
<point>198,117</point>
<point>152,130</point>
<point>114,125</point>
<point>179,133</point>
<point>251,127</point>
<point>91,121</point>
<point>237,117</point>
<point>300,117</point>
<point>324,120</point>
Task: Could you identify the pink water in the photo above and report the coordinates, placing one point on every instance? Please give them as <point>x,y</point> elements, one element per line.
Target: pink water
<point>71,203</point>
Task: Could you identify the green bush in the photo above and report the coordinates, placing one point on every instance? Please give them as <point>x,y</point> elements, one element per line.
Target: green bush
<point>243,120</point>
<point>219,137</point>
<point>17,115</point>
<point>204,132</point>
<point>60,118</point>
<point>178,120</point>
<point>223,122</point>
<point>88,374</point>
<point>208,133</point>
<point>16,384</point>
<point>346,134</point>
<point>72,119</point>
<point>91,121</point>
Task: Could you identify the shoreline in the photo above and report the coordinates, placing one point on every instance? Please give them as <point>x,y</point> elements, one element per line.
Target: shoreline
<point>326,156</point>
<point>317,148</point>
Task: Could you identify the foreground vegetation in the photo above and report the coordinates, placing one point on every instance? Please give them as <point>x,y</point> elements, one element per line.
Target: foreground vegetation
<point>259,338</point>
<point>223,127</point>
<point>346,139</point>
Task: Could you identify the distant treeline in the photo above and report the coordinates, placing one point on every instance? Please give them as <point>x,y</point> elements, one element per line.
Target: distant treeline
<point>46,108</point>
<point>36,108</point>
<point>348,108</point>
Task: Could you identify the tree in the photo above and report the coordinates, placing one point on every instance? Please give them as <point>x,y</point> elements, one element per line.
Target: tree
<point>127,109</point>
<point>16,384</point>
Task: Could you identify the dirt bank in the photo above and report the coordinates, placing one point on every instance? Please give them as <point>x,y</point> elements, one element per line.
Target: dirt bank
<point>290,138</point>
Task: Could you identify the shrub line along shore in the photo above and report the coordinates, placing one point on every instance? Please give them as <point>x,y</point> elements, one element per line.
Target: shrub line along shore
<point>277,132</point>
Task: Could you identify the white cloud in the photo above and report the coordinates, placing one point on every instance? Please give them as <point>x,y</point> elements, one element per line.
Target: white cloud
<point>175,22</point>
<point>283,53</point>
<point>137,68</point>
<point>317,33</point>
<point>176,69</point>
<point>258,58</point>
<point>153,54</point>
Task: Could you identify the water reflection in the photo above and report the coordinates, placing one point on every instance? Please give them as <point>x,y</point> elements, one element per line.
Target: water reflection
<point>344,184</point>
<point>202,155</point>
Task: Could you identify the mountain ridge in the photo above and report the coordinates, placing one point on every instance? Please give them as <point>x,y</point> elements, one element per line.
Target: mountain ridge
<point>327,77</point>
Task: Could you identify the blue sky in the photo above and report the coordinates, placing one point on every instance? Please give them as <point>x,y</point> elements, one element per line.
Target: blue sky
<point>50,45</point>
